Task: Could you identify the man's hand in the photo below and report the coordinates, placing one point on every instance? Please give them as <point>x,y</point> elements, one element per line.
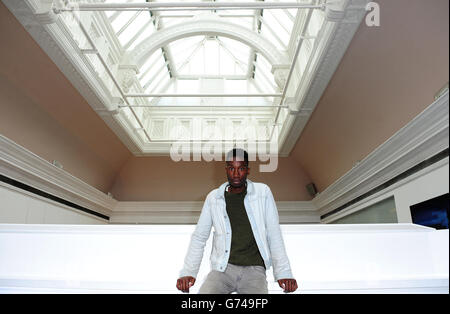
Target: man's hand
<point>289,285</point>
<point>184,283</point>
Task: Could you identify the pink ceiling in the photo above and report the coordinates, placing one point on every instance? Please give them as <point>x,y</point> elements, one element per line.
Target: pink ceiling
<point>29,70</point>
<point>388,75</point>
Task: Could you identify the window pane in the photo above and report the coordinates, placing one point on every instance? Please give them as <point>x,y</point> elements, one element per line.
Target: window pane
<point>381,212</point>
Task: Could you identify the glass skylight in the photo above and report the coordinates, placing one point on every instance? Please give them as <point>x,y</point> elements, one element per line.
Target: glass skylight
<point>212,63</point>
<point>203,55</point>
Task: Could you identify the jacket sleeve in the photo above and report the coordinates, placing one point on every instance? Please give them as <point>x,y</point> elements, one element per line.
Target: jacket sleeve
<point>280,261</point>
<point>199,237</point>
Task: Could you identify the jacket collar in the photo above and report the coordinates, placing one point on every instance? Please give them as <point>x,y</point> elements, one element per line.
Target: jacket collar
<point>221,190</point>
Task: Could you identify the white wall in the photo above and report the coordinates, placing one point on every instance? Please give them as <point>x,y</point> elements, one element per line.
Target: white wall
<point>18,206</point>
<point>428,186</point>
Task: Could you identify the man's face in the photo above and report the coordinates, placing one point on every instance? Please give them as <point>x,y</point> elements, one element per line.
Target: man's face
<point>237,172</point>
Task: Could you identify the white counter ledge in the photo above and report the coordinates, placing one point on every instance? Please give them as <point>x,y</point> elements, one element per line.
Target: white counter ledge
<point>364,258</point>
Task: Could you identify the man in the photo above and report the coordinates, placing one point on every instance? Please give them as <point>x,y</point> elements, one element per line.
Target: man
<point>247,237</point>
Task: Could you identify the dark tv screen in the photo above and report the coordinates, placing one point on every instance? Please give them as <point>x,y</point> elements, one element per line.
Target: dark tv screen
<point>432,213</point>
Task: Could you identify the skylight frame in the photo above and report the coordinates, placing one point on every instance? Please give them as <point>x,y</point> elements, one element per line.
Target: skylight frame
<point>166,62</point>
<point>258,22</point>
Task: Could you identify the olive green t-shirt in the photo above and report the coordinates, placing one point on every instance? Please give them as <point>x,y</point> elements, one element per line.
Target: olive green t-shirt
<point>244,250</point>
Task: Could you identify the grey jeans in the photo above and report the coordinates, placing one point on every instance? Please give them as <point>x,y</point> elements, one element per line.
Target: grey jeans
<point>240,279</point>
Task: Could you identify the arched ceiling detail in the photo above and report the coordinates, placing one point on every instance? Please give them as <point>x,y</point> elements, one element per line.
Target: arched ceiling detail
<point>212,27</point>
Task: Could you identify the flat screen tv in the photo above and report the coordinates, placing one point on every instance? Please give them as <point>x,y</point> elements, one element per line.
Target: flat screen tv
<point>432,213</point>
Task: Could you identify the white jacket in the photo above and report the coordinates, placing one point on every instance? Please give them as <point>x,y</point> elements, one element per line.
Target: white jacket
<point>263,216</point>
